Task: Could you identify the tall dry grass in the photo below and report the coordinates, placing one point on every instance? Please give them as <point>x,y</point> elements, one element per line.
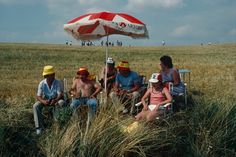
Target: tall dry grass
<point>207,128</point>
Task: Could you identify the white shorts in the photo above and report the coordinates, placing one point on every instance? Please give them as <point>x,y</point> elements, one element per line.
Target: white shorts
<point>151,107</point>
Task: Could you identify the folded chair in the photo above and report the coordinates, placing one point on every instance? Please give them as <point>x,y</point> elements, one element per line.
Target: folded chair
<point>184,94</point>
<point>184,80</point>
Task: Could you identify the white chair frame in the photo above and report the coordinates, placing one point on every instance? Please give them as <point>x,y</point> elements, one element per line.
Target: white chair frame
<point>162,107</point>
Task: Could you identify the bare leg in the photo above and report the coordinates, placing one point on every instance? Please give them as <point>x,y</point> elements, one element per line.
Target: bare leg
<point>141,115</point>
<point>151,116</point>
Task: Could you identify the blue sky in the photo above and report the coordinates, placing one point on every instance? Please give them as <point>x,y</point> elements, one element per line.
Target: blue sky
<point>178,22</point>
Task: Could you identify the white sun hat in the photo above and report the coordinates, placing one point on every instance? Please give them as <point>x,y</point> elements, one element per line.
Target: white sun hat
<point>156,77</point>
<point>110,60</point>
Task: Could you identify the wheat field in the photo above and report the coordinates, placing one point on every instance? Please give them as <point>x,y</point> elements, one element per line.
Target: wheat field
<point>206,128</point>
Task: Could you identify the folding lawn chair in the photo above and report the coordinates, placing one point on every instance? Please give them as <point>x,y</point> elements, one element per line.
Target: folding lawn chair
<point>167,109</point>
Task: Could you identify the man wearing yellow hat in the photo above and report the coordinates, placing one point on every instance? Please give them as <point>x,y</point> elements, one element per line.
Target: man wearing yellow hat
<point>49,93</point>
<point>84,91</point>
<point>126,86</point>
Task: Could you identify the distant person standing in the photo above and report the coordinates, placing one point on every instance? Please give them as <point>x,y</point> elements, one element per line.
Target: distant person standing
<point>50,93</point>
<point>163,43</point>
<point>82,43</point>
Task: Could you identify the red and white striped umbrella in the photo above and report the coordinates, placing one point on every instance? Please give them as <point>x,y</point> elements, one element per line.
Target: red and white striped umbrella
<point>97,25</point>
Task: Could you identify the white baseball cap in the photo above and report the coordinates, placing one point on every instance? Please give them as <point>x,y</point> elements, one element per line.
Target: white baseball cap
<point>156,77</point>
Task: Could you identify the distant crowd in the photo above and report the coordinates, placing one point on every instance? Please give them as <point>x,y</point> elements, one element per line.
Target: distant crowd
<point>90,43</point>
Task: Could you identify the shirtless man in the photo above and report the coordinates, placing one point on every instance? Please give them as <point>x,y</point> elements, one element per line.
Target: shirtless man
<point>84,91</point>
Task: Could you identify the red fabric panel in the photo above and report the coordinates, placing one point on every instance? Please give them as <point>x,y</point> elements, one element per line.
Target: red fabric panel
<point>78,18</point>
<point>131,19</point>
<point>103,15</point>
<point>88,28</point>
<point>108,16</point>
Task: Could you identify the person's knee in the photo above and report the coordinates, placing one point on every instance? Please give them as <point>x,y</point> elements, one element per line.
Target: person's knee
<point>138,116</point>
<point>74,104</point>
<point>61,103</point>
<point>92,102</point>
<point>135,95</point>
<point>150,117</point>
<point>36,105</point>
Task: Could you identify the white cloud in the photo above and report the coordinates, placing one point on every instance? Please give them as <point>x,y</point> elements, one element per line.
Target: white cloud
<point>135,5</point>
<point>182,30</point>
<point>233,32</point>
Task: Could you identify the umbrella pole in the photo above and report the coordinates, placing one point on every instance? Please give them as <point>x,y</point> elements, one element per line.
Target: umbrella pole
<point>106,70</point>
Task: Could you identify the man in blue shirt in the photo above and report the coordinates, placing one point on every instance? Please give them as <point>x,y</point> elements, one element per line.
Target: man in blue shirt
<point>126,86</point>
<point>49,93</point>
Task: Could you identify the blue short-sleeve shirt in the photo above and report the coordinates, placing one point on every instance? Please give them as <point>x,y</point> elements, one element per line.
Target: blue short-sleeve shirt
<point>127,83</point>
<point>46,92</point>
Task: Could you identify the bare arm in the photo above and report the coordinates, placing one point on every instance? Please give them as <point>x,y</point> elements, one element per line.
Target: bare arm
<point>176,78</point>
<point>135,88</point>
<point>54,101</point>
<point>98,88</point>
<point>45,102</point>
<point>143,100</point>
<point>73,88</point>
<point>168,97</point>
<point>116,87</point>
<point>113,76</point>
<point>102,73</point>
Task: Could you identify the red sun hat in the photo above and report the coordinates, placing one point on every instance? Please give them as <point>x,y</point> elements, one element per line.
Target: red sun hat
<point>83,71</point>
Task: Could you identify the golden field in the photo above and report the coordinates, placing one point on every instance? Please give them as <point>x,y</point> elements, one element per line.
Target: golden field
<point>209,127</point>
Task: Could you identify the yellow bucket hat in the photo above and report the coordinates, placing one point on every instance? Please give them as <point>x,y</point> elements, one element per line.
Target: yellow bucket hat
<point>47,70</point>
